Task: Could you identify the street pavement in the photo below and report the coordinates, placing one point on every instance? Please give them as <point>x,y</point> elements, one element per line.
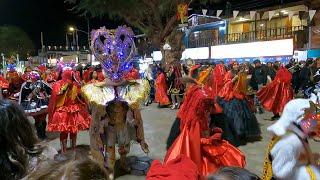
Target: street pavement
<point>157,124</point>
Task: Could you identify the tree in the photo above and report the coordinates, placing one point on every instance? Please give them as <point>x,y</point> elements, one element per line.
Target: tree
<point>14,40</point>
<point>155,18</point>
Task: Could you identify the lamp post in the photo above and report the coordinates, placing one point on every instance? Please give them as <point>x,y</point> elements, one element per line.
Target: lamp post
<point>73,29</point>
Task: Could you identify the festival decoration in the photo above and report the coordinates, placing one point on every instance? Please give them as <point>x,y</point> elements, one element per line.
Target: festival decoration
<point>219,12</point>
<point>312,13</point>
<point>204,11</point>
<point>311,120</point>
<point>290,14</point>
<point>252,14</point>
<point>183,13</point>
<point>114,50</point>
<point>235,14</point>
<point>271,14</point>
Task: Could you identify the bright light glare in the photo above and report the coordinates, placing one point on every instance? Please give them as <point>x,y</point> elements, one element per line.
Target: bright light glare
<point>193,53</point>
<point>255,49</point>
<point>71,28</point>
<point>196,53</point>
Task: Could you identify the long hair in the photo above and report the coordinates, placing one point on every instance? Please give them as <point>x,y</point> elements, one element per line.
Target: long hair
<point>16,138</point>
<point>233,173</point>
<point>75,170</point>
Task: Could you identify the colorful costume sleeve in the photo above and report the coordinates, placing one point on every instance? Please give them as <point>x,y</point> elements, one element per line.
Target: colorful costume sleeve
<point>234,89</point>
<point>203,76</point>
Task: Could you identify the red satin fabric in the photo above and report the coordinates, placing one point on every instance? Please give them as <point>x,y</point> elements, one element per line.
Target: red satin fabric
<point>278,93</point>
<point>180,168</point>
<point>229,90</point>
<point>214,85</point>
<point>4,84</point>
<point>208,153</point>
<point>72,116</point>
<point>161,96</point>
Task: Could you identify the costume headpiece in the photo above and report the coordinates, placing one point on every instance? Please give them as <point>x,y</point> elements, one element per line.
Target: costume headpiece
<point>114,49</point>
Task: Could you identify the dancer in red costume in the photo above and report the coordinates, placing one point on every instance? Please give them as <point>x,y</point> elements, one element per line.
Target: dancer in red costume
<point>240,124</point>
<point>278,93</point>
<point>214,84</point>
<point>196,140</point>
<point>67,112</point>
<point>161,96</point>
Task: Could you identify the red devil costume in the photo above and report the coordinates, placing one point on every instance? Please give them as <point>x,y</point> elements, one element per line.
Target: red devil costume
<point>161,90</point>
<point>67,112</point>
<point>278,93</point>
<point>195,140</point>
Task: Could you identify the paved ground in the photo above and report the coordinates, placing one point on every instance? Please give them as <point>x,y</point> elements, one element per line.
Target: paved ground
<point>157,124</point>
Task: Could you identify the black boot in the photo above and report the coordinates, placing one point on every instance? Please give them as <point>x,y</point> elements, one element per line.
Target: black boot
<point>43,129</point>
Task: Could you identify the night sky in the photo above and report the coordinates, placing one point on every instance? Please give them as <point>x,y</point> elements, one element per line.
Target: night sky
<point>52,17</point>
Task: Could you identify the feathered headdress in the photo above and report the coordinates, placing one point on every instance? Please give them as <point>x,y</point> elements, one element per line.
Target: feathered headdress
<point>114,49</point>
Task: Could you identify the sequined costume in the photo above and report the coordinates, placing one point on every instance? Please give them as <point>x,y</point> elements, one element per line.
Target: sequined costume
<point>67,111</point>
<point>115,103</point>
<point>34,96</point>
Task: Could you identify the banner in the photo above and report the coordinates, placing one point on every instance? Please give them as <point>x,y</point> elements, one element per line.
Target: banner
<point>235,14</point>
<point>183,13</point>
<point>271,14</point>
<point>219,12</point>
<point>311,14</point>
<point>252,14</point>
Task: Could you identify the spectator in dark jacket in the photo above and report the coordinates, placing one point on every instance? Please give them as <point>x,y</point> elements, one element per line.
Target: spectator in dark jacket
<point>259,75</point>
<point>271,70</point>
<point>305,74</point>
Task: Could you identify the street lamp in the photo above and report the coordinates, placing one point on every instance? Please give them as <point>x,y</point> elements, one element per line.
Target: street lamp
<point>71,29</point>
<point>75,30</point>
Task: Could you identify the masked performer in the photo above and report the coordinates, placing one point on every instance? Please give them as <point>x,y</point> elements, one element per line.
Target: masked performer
<point>115,103</point>
<point>278,93</point>
<point>241,123</point>
<point>34,98</point>
<point>67,111</point>
<point>289,155</point>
